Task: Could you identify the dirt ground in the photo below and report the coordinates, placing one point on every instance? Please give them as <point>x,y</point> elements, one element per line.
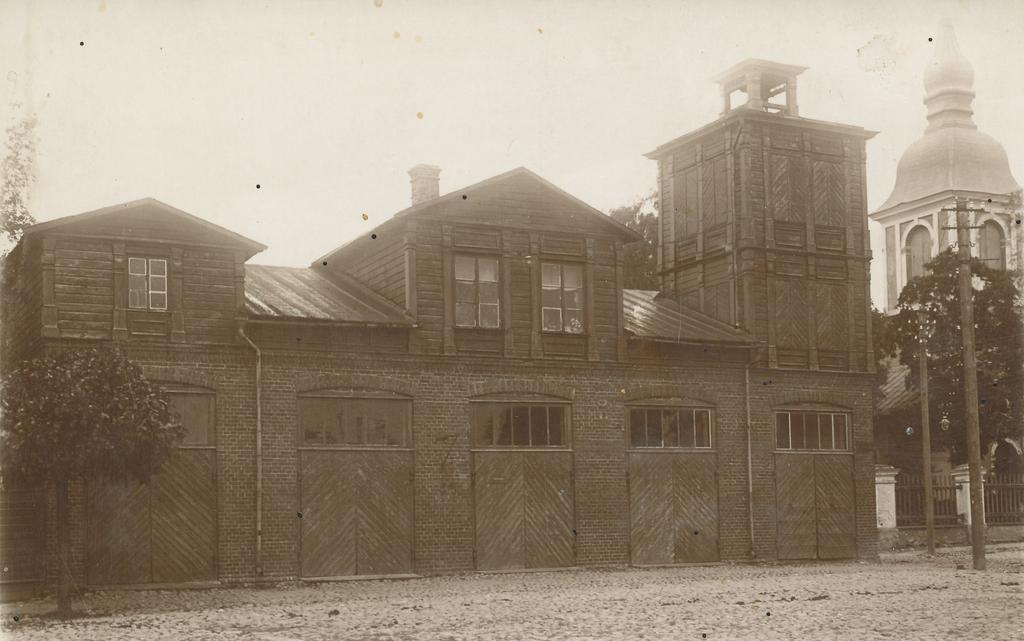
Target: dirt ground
<point>906,596</point>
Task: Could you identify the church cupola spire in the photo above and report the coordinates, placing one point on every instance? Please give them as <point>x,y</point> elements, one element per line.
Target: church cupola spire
<point>949,83</point>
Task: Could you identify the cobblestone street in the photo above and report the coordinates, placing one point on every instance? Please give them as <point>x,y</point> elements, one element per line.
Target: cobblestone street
<point>907,596</point>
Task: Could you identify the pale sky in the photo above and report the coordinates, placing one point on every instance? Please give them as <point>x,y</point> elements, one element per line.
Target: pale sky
<point>326,105</point>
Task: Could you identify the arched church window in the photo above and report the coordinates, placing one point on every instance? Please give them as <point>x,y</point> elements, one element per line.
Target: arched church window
<point>919,251</point>
<point>990,245</point>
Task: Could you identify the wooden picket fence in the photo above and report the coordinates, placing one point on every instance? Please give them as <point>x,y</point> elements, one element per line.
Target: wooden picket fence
<point>910,500</point>
<point>1004,499</point>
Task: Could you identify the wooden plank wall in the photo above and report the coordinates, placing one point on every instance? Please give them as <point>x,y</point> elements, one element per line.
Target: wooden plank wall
<point>791,200</point>
<point>90,291</point>
<point>23,301</point>
<point>521,222</point>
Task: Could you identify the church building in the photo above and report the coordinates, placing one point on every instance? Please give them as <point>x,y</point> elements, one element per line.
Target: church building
<point>953,159</point>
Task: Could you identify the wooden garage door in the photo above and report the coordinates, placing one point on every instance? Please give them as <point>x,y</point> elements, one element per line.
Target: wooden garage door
<point>794,488</point>
<point>814,496</point>
<point>673,507</point>
<point>524,509</point>
<point>833,501</point>
<point>164,531</point>
<point>357,512</point>
<point>21,527</point>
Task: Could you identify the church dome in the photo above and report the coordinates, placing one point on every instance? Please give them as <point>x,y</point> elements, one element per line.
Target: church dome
<point>952,154</point>
<point>952,158</point>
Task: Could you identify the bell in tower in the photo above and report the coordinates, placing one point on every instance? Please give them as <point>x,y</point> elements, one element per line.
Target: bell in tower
<point>763,223</point>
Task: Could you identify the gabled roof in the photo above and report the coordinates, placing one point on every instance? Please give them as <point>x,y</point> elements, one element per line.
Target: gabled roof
<point>896,392</point>
<point>457,196</point>
<point>306,294</point>
<point>663,319</point>
<point>150,205</point>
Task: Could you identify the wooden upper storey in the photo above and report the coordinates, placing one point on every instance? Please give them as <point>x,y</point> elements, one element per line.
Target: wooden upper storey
<point>764,225</point>
<point>511,267</point>
<point>138,271</point>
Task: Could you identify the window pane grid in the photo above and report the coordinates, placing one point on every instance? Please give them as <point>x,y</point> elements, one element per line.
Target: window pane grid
<point>562,298</point>
<point>684,428</point>
<point>476,292</point>
<point>147,283</point>
<point>499,425</point>
<point>811,431</point>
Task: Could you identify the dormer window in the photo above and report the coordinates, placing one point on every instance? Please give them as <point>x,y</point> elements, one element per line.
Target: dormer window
<point>476,292</point>
<point>147,283</point>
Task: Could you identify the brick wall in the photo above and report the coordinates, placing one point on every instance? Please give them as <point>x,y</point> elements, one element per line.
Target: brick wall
<point>441,387</point>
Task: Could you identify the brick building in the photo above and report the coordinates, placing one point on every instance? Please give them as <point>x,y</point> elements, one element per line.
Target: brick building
<point>469,387</point>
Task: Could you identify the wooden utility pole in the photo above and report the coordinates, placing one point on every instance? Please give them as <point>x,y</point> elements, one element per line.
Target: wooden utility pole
<point>926,434</point>
<point>963,240</point>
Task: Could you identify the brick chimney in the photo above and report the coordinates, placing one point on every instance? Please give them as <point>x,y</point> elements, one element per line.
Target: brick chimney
<point>425,180</point>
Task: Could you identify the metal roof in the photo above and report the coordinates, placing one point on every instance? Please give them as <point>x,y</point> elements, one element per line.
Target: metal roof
<point>663,319</point>
<point>305,293</point>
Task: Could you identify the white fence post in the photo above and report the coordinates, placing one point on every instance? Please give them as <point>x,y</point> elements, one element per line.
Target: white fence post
<point>885,496</point>
<point>962,480</point>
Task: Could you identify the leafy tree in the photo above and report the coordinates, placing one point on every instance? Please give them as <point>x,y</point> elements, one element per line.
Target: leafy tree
<point>640,262</point>
<point>17,170</point>
<point>999,335</point>
<point>81,414</point>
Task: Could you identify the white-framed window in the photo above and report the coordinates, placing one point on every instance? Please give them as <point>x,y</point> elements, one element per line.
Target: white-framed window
<point>562,298</point>
<point>147,283</point>
<point>682,427</point>
<point>477,301</point>
<point>812,431</point>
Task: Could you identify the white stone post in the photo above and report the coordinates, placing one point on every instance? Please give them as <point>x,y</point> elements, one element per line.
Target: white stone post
<point>962,480</point>
<point>885,496</point>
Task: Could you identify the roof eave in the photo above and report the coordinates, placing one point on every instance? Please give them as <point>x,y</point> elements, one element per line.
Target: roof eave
<point>739,113</point>
<point>264,319</point>
<point>738,343</point>
<point>254,247</point>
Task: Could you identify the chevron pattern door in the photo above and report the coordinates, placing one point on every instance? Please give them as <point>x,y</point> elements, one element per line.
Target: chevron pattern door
<point>814,498</point>
<point>673,507</point>
<point>652,522</point>
<point>524,509</point>
<point>833,499</point>
<point>357,512</point>
<point>794,488</point>
<point>161,532</point>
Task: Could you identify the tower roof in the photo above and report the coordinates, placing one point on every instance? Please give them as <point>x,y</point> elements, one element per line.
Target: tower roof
<point>952,154</point>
